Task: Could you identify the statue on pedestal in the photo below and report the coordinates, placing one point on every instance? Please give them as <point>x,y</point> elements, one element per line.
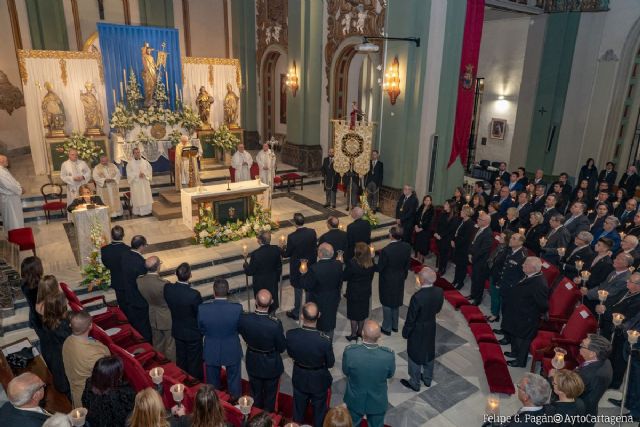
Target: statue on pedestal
<point>149,74</point>
<point>53,116</point>
<point>92,112</point>
<point>231,104</point>
<point>204,101</point>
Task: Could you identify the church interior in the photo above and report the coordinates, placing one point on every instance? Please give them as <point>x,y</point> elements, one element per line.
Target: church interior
<point>205,126</point>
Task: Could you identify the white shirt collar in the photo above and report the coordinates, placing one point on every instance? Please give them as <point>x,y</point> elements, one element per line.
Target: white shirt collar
<point>530,408</point>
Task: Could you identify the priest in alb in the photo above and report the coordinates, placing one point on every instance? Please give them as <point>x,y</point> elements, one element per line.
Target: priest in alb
<point>10,198</point>
<point>139,175</point>
<point>74,172</point>
<point>107,178</point>
<point>184,164</point>
<point>241,162</point>
<point>266,160</point>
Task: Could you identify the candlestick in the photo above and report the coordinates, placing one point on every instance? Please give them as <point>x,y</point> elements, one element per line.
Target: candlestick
<point>372,250</point>
<point>602,295</point>
<point>121,92</point>
<point>585,275</point>
<point>558,360</point>
<point>501,222</point>
<point>245,403</point>
<point>632,336</point>
<point>156,375</point>
<point>245,251</point>
<point>617,319</point>
<point>282,241</point>
<point>493,405</point>
<point>176,86</point>
<point>124,76</point>
<point>77,416</point>
<point>622,235</point>
<point>177,391</point>
<point>543,241</point>
<point>341,227</point>
<point>228,185</point>
<point>114,98</point>
<point>579,264</point>
<point>303,266</point>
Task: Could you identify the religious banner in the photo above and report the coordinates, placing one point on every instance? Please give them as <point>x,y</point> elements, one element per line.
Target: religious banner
<point>352,147</point>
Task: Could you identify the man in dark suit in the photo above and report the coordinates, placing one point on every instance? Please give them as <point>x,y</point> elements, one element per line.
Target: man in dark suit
<point>533,392</point>
<point>151,287</point>
<point>528,300</point>
<point>630,181</point>
<point>393,267</point>
<point>558,237</point>
<point>549,210</point>
<point>632,402</point>
<point>323,283</point>
<point>505,273</point>
<point>460,243</point>
<point>25,393</point>
<point>265,265</point>
<point>218,321</point>
<point>503,174</point>
<point>608,174</point>
<point>538,179</point>
<point>629,245</point>
<point>183,302</point>
<point>626,215</point>
<point>330,180</point>
<point>301,244</point>
<point>133,267</point>
<point>524,207</point>
<point>522,173</point>
<point>614,284</point>
<point>265,340</point>
<point>373,180</point>
<point>420,330</point>
<point>539,199</point>
<point>358,231</point>
<point>579,250</point>
<point>576,221</point>
<point>111,256</point>
<point>406,212</point>
<point>335,237</point>
<point>601,265</point>
<point>312,356</point>
<point>478,256</point>
<point>505,201</point>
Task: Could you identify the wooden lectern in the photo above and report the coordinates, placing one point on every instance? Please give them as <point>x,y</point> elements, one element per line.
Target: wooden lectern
<point>190,153</point>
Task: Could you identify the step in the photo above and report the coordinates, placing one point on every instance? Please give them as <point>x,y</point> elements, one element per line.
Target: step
<point>170,198</point>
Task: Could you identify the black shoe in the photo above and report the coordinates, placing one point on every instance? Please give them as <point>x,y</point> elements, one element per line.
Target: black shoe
<point>469,297</point>
<point>351,338</point>
<point>509,354</point>
<point>290,315</point>
<point>394,329</point>
<point>459,286</point>
<point>515,364</point>
<point>387,333</point>
<point>495,319</point>
<point>407,384</point>
<point>498,331</point>
<point>504,341</point>
<point>326,205</point>
<point>616,402</point>
<point>426,383</point>
<point>476,302</point>
<point>333,206</point>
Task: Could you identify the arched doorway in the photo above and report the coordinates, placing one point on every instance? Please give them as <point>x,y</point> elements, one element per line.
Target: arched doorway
<point>273,102</point>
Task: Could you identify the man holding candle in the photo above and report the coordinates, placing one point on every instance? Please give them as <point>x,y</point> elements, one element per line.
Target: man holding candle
<point>632,401</point>
<point>579,251</point>
<point>601,265</point>
<point>614,284</point>
<point>393,267</point>
<point>265,265</point>
<point>629,245</point>
<point>335,237</point>
<point>576,221</point>
<point>24,393</point>
<point>301,244</point>
<point>558,237</point>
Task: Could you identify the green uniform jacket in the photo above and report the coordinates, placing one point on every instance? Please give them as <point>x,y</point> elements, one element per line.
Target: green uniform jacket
<point>367,368</point>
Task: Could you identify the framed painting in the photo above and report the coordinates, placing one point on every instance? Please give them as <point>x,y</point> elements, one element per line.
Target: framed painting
<point>497,128</point>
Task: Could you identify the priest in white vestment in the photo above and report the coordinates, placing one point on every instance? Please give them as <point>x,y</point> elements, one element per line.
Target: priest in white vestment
<point>10,198</point>
<point>266,160</point>
<point>182,165</point>
<point>241,162</point>
<point>139,175</point>
<point>107,178</point>
<point>74,172</point>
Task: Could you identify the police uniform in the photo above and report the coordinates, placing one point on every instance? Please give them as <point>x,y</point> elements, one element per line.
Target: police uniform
<point>312,354</point>
<point>265,340</point>
<point>367,367</point>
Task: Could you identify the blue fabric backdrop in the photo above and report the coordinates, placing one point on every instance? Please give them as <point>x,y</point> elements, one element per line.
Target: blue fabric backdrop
<point>120,46</point>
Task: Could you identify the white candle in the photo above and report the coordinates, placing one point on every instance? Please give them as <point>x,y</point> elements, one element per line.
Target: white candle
<point>114,98</point>
<point>282,241</point>
<point>617,318</point>
<point>245,251</point>
<point>303,266</point>
<point>633,336</point>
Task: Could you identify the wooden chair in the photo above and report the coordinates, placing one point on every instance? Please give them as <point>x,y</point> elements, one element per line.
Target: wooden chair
<point>52,195</point>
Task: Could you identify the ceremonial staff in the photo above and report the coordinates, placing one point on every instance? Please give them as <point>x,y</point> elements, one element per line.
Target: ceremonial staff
<point>245,253</point>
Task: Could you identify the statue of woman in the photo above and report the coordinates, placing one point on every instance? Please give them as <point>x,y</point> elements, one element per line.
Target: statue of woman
<point>149,74</point>
<point>204,101</point>
<point>92,112</point>
<point>231,108</point>
<point>53,116</point>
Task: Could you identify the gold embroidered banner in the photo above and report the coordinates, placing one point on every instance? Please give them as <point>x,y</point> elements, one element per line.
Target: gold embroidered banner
<point>352,147</point>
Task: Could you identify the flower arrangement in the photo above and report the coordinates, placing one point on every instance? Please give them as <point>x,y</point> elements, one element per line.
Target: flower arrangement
<point>190,120</point>
<point>143,138</point>
<point>174,136</point>
<point>95,274</point>
<point>134,95</point>
<point>209,232</point>
<point>368,216</point>
<point>87,148</point>
<point>121,119</point>
<point>223,138</point>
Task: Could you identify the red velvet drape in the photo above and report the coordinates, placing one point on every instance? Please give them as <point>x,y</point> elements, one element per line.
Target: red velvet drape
<point>466,84</point>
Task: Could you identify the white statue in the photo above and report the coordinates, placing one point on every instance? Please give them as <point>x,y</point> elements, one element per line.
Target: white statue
<point>276,32</point>
<point>346,23</point>
<point>362,16</point>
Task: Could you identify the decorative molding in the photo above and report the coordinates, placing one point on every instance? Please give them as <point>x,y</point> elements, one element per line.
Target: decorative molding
<point>348,18</point>
<point>211,75</point>
<point>127,12</point>
<point>76,24</point>
<point>88,43</point>
<point>185,24</point>
<point>225,8</point>
<point>63,72</point>
<point>11,98</point>
<point>23,54</point>
<point>609,56</point>
<point>271,26</point>
<point>215,61</point>
<point>15,24</point>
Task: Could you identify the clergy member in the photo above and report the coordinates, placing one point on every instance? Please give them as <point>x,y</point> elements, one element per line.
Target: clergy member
<point>266,160</point>
<point>139,176</point>
<point>107,178</point>
<point>10,198</point>
<point>182,165</point>
<point>241,162</point>
<point>74,173</point>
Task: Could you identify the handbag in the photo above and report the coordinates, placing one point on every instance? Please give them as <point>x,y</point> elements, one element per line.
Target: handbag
<point>20,359</point>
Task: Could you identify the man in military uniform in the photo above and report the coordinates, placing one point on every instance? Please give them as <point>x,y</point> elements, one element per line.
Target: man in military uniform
<point>367,367</point>
<point>265,340</point>
<point>312,355</point>
<point>265,265</point>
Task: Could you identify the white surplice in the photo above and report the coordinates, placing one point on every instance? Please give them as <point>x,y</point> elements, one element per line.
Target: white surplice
<point>10,201</point>
<point>267,163</point>
<point>107,179</point>
<point>241,162</point>
<point>141,198</point>
<point>68,171</point>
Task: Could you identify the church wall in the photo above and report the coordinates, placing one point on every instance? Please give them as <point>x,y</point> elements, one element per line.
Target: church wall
<point>501,62</point>
<point>207,28</point>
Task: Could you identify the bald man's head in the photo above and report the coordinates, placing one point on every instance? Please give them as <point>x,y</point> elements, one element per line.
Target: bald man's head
<point>310,314</point>
<point>357,212</point>
<point>25,390</point>
<point>427,276</point>
<point>152,263</point>
<point>263,300</point>
<point>371,331</point>
<point>325,251</point>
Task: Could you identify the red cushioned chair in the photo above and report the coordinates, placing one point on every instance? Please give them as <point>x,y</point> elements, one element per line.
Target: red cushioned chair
<point>563,300</point>
<point>111,318</point>
<point>232,174</point>
<point>495,368</point>
<point>52,195</point>
<point>23,237</point>
<point>444,284</point>
<point>141,351</point>
<point>456,299</point>
<point>482,332</point>
<point>133,370</point>
<point>254,170</point>
<point>550,273</point>
<point>580,323</point>
<point>472,314</point>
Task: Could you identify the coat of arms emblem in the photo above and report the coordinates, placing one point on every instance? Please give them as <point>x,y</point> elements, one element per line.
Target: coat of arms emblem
<point>467,77</point>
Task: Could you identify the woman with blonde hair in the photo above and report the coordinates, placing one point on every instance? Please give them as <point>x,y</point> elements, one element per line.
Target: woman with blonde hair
<point>338,417</point>
<point>359,276</point>
<point>568,386</point>
<point>148,410</point>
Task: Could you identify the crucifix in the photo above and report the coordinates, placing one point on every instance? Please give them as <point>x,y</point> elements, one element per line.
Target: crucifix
<point>542,111</point>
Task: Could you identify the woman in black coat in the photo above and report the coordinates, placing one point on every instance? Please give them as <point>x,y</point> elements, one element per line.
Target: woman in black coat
<point>568,386</point>
<point>359,275</point>
<point>589,172</point>
<point>85,197</point>
<point>535,232</point>
<point>31,272</point>
<point>108,400</point>
<point>424,216</point>
<point>445,229</point>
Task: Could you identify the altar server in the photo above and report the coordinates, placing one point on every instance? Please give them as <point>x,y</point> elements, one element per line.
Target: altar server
<point>139,176</point>
<point>107,178</point>
<point>266,160</point>
<point>241,162</point>
<point>10,201</point>
<point>74,172</point>
<point>182,165</point>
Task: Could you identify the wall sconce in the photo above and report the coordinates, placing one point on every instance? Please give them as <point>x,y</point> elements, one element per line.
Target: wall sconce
<point>392,81</point>
<point>292,79</point>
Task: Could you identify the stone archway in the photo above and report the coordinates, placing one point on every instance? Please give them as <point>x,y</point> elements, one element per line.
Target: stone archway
<point>340,104</point>
<point>269,91</point>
